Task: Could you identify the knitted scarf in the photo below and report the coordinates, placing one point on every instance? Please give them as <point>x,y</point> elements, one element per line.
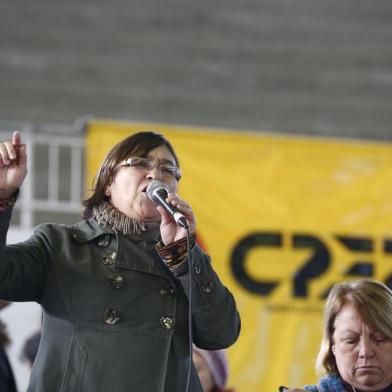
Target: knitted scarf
<point>146,235</point>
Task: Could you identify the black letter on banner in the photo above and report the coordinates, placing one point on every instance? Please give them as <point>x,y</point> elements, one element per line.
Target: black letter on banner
<point>315,266</point>
<point>238,259</point>
<point>388,250</point>
<point>358,244</point>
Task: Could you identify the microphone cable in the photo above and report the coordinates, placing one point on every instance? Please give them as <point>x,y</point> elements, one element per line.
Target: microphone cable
<point>190,329</point>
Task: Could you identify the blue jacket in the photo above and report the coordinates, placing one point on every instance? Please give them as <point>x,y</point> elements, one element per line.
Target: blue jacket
<point>327,384</point>
<point>333,383</point>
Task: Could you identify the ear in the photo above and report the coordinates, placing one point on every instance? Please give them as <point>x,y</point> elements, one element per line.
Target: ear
<point>333,349</point>
<point>107,192</point>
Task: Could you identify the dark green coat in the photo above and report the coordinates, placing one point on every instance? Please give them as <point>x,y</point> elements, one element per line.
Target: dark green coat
<point>114,318</point>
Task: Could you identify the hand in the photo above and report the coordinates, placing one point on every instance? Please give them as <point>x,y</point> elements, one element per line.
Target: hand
<point>295,390</point>
<point>170,231</point>
<point>287,389</point>
<point>13,165</point>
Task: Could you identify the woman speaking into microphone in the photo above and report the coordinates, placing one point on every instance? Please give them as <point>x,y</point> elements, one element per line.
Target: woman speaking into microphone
<point>126,290</point>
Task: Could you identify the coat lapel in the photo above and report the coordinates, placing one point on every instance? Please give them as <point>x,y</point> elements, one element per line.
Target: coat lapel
<point>128,255</point>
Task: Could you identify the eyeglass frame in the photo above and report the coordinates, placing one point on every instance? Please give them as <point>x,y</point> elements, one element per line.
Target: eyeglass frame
<point>128,163</point>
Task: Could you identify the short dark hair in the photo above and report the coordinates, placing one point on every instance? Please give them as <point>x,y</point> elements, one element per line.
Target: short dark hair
<point>138,144</point>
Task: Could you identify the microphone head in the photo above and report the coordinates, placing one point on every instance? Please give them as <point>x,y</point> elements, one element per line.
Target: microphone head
<point>155,187</point>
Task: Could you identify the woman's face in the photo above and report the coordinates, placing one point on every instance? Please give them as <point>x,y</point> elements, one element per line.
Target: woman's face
<point>127,192</point>
<point>363,356</point>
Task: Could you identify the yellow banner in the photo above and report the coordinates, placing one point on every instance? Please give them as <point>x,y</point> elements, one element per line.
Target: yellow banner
<point>283,218</point>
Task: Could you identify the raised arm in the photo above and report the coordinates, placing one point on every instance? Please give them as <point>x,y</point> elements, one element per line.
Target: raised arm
<point>13,165</point>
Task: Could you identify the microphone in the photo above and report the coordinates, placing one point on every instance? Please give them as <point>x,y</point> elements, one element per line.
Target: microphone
<point>157,191</point>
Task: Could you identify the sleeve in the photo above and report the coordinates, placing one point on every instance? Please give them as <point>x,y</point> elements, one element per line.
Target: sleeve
<point>7,380</point>
<point>216,321</point>
<point>22,266</point>
<point>175,253</point>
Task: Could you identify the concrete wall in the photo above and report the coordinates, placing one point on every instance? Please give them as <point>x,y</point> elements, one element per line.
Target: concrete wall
<point>304,66</point>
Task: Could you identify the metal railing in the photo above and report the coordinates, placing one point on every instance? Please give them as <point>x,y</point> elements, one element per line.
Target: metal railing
<point>54,183</point>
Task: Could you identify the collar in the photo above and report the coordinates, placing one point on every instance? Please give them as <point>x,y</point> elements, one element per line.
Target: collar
<point>128,253</point>
<point>88,229</point>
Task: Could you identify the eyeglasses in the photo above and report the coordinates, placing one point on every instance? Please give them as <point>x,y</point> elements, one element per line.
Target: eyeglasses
<point>142,164</point>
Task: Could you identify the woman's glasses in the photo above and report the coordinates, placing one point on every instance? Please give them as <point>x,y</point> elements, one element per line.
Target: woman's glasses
<point>142,164</point>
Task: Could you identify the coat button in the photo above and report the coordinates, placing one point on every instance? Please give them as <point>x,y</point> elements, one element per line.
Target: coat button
<point>206,286</point>
<point>197,268</point>
<point>167,322</point>
<point>103,240</point>
<point>116,281</point>
<point>109,259</point>
<point>168,291</point>
<point>111,316</point>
